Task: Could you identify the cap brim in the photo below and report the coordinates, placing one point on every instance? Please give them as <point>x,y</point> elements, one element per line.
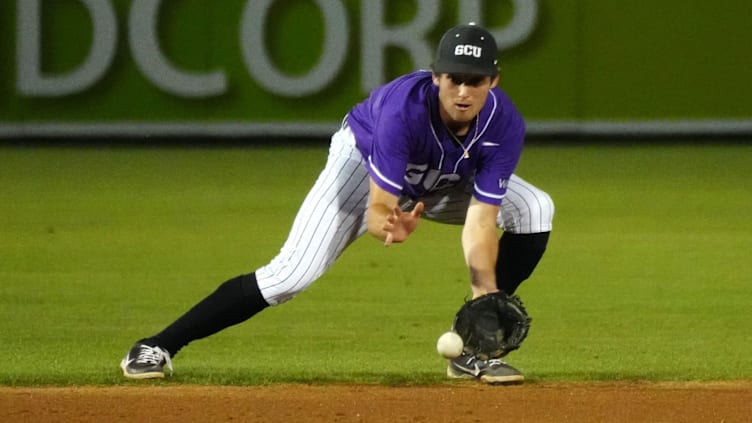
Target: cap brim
<point>465,68</point>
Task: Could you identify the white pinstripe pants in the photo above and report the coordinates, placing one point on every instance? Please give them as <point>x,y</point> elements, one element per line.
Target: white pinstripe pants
<point>333,214</point>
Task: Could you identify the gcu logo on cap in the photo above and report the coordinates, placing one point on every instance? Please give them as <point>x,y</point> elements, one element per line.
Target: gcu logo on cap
<point>467,50</point>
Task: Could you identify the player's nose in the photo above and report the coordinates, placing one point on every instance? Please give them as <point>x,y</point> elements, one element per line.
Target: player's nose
<point>463,90</point>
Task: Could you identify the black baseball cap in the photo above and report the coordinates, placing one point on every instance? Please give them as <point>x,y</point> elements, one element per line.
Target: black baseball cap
<point>467,49</point>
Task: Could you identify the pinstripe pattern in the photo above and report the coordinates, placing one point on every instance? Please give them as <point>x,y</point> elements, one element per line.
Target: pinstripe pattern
<point>330,218</point>
<point>333,213</point>
<point>526,209</point>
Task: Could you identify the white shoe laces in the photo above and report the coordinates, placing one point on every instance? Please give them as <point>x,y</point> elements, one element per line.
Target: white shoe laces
<point>154,355</point>
<point>490,362</point>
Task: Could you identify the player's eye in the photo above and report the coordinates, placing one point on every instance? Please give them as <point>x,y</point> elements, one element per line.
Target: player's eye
<point>467,79</point>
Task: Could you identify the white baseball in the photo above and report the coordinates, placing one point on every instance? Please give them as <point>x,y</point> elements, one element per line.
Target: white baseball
<point>449,345</point>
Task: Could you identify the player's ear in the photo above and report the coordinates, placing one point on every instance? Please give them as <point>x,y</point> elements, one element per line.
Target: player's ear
<point>495,81</point>
<point>436,78</point>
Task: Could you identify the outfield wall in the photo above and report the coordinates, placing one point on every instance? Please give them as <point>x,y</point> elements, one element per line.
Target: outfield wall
<point>294,67</point>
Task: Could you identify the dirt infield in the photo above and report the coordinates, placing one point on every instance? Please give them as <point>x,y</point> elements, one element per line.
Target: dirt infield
<point>456,402</point>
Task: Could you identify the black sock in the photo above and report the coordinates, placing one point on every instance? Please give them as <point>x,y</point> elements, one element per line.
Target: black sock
<point>233,302</point>
<point>518,256</point>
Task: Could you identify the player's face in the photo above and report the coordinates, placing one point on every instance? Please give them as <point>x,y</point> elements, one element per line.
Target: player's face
<point>461,96</point>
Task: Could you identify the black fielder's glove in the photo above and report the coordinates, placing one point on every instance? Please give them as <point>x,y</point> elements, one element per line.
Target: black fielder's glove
<point>492,325</point>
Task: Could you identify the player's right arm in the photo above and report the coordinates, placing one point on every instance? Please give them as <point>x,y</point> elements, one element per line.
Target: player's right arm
<point>386,221</point>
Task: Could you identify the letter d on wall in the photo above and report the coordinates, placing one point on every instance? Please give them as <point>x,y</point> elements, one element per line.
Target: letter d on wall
<point>31,82</point>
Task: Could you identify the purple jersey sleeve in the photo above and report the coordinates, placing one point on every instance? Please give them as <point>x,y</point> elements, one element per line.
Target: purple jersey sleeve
<point>385,127</point>
<point>501,147</point>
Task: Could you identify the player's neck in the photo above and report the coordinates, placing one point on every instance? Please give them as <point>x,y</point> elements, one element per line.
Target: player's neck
<point>459,129</point>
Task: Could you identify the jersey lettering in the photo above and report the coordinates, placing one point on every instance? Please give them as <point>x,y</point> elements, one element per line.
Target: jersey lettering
<point>415,173</point>
<point>446,180</point>
<point>429,179</point>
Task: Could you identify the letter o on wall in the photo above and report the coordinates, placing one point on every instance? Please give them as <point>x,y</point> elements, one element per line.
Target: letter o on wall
<point>260,65</point>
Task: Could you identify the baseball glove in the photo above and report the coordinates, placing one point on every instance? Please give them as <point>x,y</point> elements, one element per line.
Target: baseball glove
<point>492,325</point>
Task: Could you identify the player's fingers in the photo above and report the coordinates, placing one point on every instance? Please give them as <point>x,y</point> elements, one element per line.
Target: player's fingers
<point>389,239</point>
<point>418,209</point>
<point>394,216</point>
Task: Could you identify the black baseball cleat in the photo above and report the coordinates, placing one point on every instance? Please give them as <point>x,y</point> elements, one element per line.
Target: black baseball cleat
<point>145,362</point>
<point>493,372</point>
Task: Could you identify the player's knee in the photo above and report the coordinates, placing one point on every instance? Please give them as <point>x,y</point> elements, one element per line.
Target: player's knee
<point>538,215</point>
<point>546,209</point>
<point>280,281</point>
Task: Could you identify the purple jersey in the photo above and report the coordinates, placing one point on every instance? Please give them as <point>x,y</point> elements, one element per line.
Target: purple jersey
<point>409,151</point>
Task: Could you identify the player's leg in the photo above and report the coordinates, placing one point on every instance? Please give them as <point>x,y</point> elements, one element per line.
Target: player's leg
<point>526,217</point>
<point>234,301</point>
<point>331,217</point>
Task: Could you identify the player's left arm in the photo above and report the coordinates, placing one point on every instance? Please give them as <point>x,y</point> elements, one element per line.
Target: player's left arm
<point>480,243</point>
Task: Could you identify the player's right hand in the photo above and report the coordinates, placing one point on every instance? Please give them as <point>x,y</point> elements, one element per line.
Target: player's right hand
<point>400,225</point>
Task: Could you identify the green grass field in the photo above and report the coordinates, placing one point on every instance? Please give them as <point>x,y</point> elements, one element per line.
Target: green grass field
<point>647,276</point>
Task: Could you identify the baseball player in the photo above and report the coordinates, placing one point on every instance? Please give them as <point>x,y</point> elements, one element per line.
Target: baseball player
<point>440,145</point>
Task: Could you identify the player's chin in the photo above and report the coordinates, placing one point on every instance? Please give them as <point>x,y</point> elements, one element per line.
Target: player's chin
<point>464,118</point>
<point>464,114</point>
